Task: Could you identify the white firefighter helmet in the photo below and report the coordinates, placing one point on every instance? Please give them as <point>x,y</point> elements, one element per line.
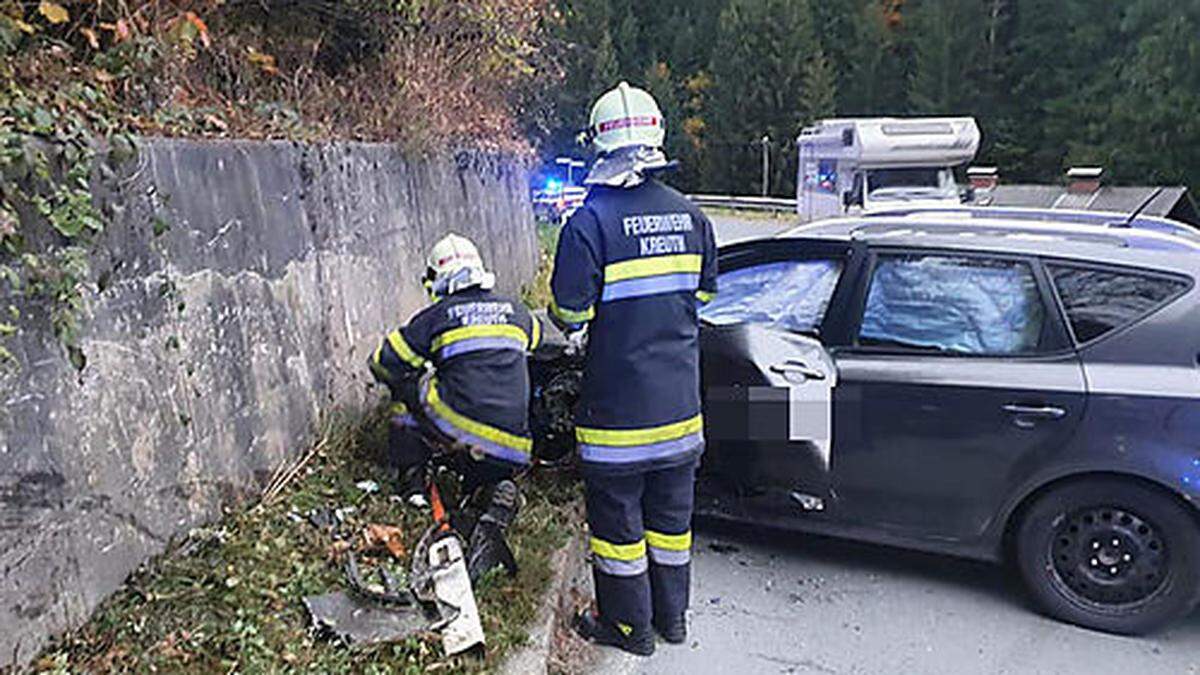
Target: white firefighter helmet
<point>626,117</point>
<point>454,264</point>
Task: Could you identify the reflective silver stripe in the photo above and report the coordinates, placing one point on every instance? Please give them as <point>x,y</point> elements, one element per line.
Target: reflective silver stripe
<point>636,288</point>
<point>489,448</point>
<point>405,420</point>
<point>612,454</point>
<point>480,343</point>
<point>662,556</point>
<point>620,568</point>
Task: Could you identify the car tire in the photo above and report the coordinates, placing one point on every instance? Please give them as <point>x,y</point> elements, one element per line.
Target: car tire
<point>1112,555</point>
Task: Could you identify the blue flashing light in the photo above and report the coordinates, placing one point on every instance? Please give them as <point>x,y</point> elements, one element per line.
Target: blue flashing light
<point>553,185</point>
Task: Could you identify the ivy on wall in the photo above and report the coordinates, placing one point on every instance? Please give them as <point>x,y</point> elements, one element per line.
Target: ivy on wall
<point>48,221</point>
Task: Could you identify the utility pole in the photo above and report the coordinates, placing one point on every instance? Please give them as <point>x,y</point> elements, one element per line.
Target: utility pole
<point>766,163</point>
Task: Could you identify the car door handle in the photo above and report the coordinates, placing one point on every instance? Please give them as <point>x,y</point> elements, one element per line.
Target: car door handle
<point>1045,411</point>
<point>797,368</point>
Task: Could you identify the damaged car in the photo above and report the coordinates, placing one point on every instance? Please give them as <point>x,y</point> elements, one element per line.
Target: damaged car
<point>1008,390</point>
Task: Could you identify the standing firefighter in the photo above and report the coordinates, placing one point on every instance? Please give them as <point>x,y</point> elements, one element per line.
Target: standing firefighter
<point>460,365</point>
<point>633,263</point>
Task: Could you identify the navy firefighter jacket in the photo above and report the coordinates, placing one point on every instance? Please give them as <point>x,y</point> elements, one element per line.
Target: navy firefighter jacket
<point>476,342</point>
<point>634,263</point>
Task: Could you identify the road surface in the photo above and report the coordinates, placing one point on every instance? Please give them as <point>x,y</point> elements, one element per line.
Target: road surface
<point>730,226</point>
<point>766,602</point>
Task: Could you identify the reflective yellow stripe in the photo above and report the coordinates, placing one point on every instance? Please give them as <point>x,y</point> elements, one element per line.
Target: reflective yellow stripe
<point>536,338</point>
<point>406,353</point>
<point>630,437</point>
<point>485,330</point>
<point>649,267</point>
<point>705,296</point>
<point>470,426</point>
<point>625,552</point>
<point>398,409</point>
<point>572,316</point>
<point>670,542</point>
<point>377,368</point>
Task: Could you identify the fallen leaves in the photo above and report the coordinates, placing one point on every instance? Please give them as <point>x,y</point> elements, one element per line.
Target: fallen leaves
<point>90,35</point>
<point>169,647</point>
<point>185,29</point>
<point>53,12</point>
<point>216,122</point>
<point>388,537</point>
<point>120,30</point>
<point>337,548</point>
<point>25,28</point>
<point>265,62</point>
<point>201,27</point>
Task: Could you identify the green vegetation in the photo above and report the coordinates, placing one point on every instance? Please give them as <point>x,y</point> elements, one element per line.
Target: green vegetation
<point>228,597</point>
<point>536,294</point>
<point>1054,83</point>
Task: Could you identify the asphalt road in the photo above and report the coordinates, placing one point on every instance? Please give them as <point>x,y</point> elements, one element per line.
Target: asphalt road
<point>769,602</point>
<point>730,226</point>
<point>766,602</point>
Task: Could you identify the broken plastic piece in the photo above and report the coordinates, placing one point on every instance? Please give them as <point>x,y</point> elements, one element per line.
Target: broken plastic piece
<point>452,585</point>
<point>357,621</point>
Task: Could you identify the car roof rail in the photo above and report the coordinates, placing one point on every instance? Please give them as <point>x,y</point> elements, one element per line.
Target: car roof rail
<point>1028,231</point>
<point>1111,219</point>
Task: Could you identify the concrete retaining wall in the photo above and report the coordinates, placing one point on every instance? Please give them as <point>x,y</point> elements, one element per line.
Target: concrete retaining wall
<point>211,349</point>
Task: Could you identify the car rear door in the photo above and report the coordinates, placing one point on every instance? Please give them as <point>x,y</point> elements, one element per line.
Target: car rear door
<point>959,377</point>
<point>768,380</point>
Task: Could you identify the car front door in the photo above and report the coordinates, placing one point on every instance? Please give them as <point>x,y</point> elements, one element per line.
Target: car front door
<point>960,373</point>
<point>768,380</point>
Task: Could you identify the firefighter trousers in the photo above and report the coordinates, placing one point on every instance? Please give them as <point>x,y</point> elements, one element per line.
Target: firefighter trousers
<point>407,449</point>
<point>641,545</point>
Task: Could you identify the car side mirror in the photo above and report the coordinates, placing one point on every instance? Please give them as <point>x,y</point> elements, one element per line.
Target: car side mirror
<point>967,194</point>
<point>851,198</point>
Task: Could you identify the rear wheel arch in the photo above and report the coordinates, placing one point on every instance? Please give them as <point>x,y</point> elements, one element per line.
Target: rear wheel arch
<point>1012,521</point>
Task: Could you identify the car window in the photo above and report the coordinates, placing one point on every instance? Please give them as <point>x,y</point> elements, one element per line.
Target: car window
<point>963,305</point>
<point>792,294</point>
<point>1100,301</point>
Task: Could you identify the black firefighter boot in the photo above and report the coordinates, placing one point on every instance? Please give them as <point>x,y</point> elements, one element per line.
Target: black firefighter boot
<point>488,548</point>
<point>595,629</point>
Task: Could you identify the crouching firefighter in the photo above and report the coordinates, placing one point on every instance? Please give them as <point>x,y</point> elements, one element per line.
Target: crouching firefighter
<point>632,264</point>
<point>458,379</point>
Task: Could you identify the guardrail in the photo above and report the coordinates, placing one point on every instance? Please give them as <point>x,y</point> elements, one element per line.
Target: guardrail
<point>739,203</point>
